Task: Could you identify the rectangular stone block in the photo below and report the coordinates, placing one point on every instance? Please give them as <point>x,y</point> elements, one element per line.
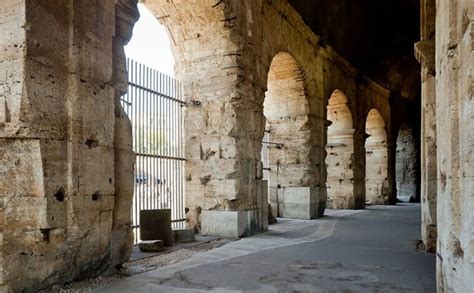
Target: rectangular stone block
<point>230,224</point>
<point>303,211</point>
<point>227,224</point>
<point>300,195</point>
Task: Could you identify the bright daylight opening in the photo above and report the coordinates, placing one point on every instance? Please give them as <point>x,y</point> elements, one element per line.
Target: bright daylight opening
<point>154,104</point>
<point>150,43</point>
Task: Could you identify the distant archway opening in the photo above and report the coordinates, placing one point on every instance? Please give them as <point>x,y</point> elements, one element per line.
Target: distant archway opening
<point>340,153</point>
<point>285,144</point>
<point>406,162</point>
<point>376,165</point>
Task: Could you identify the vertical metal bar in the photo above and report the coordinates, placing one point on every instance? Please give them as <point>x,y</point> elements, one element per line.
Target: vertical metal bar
<point>141,138</point>
<point>176,163</point>
<point>173,148</point>
<point>135,147</point>
<point>146,125</point>
<point>181,154</point>
<point>154,140</point>
<point>162,142</point>
<point>170,148</point>
<point>149,133</point>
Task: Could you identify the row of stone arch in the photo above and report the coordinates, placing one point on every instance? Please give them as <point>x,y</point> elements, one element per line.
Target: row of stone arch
<point>230,83</point>
<point>289,145</point>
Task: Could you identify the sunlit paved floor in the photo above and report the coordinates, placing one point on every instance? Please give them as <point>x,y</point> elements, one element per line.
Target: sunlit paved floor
<point>372,250</point>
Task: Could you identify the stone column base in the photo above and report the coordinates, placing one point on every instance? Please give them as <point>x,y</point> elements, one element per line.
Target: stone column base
<point>302,203</point>
<point>233,224</point>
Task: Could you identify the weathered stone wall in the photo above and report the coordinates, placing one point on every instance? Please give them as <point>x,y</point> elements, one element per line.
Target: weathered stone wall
<point>455,144</point>
<point>64,143</point>
<point>406,165</point>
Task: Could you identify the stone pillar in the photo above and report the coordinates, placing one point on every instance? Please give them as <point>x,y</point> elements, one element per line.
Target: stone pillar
<point>455,144</point>
<point>359,164</point>
<point>425,53</point>
<point>222,119</point>
<point>59,142</point>
<point>121,241</point>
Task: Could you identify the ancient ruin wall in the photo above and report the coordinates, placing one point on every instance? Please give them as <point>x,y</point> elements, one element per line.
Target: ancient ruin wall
<point>61,113</point>
<point>455,144</point>
<point>223,54</point>
<point>62,138</point>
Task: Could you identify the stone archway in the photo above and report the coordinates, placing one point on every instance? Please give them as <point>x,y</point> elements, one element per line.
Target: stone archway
<point>286,112</point>
<point>406,165</point>
<point>376,172</point>
<point>340,153</point>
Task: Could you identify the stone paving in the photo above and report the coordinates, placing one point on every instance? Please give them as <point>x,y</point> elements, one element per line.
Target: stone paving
<point>372,250</point>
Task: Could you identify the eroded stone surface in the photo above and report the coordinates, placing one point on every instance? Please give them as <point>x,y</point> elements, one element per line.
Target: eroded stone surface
<point>64,137</point>
<point>455,144</point>
<point>65,148</point>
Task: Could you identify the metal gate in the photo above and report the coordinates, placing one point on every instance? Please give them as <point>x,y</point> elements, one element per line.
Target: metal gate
<point>155,107</point>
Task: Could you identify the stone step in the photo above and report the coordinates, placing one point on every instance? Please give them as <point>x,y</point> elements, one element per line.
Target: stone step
<point>151,246</point>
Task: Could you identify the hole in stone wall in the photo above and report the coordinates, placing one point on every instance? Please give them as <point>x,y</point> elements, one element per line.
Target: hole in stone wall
<point>45,232</point>
<point>60,195</point>
<point>92,143</point>
<point>96,196</point>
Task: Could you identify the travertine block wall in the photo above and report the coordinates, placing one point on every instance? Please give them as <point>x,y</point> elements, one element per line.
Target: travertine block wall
<point>66,164</point>
<point>406,165</point>
<point>455,144</point>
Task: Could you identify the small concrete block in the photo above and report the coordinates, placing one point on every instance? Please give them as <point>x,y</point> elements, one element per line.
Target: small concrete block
<point>151,246</point>
<point>183,235</point>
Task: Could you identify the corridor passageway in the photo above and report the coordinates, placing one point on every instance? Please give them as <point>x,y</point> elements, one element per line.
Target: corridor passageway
<point>361,251</point>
